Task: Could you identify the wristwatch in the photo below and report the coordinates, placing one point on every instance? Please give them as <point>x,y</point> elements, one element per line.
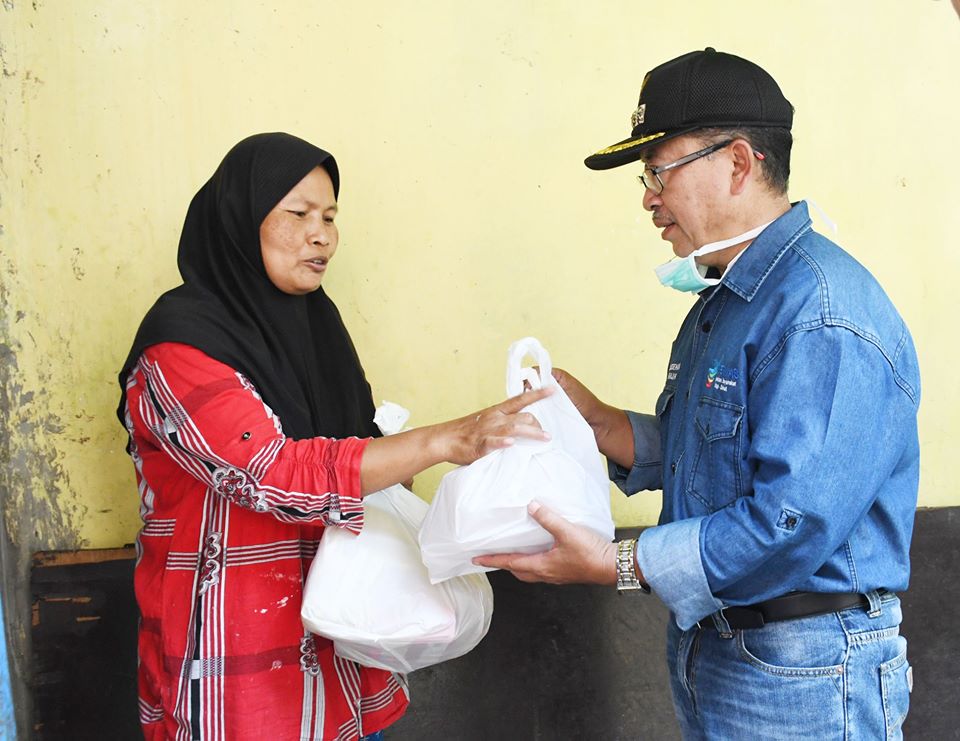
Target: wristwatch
<point>627,580</point>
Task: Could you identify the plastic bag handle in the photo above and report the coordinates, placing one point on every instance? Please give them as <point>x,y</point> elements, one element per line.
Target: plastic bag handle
<point>530,376</point>
<point>517,373</point>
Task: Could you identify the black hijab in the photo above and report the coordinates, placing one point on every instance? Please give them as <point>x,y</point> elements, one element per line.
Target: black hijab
<point>295,349</point>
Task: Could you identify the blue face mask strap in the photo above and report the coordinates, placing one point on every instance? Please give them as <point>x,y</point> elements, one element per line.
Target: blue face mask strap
<point>671,273</point>
<point>831,224</point>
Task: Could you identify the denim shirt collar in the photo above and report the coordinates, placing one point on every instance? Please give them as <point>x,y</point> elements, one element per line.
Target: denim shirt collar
<point>758,260</point>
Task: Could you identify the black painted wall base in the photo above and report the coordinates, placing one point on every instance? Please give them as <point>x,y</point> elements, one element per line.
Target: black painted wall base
<point>84,664</point>
<point>931,609</point>
<point>586,663</point>
<point>558,663</point>
<point>572,662</point>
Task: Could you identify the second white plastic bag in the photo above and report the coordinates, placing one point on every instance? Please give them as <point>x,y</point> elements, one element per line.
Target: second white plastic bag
<point>370,593</point>
<point>482,508</point>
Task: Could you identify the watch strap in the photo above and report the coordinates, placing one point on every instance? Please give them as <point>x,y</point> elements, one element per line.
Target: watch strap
<point>627,580</point>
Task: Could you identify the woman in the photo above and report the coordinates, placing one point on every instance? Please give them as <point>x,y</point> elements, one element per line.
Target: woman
<point>251,430</point>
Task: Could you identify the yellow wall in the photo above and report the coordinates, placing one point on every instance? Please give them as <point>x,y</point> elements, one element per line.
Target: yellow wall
<point>467,218</point>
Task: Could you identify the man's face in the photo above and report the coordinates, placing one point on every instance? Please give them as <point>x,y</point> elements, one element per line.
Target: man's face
<point>688,209</point>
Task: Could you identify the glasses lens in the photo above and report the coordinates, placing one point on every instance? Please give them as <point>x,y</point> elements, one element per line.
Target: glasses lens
<point>650,181</point>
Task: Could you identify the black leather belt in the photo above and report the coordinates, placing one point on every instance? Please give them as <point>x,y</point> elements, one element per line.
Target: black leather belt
<point>787,607</point>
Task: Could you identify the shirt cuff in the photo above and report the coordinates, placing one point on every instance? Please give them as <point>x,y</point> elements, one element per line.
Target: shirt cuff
<point>669,558</point>
<point>646,473</point>
<point>346,506</point>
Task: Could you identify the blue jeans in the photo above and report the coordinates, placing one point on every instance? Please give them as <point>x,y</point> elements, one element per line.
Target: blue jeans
<point>843,675</point>
<point>378,736</point>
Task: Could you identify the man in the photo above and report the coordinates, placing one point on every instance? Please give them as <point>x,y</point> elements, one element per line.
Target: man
<point>784,440</point>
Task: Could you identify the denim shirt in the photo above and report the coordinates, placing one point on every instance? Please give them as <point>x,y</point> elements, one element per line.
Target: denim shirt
<point>785,437</point>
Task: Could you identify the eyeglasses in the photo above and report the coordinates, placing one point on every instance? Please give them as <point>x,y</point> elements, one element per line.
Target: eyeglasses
<point>650,178</point>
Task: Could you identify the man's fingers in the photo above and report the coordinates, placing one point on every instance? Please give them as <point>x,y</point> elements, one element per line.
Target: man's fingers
<point>548,519</point>
<point>513,562</point>
<point>499,561</point>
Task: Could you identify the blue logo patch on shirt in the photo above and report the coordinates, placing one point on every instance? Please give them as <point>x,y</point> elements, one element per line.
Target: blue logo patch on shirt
<point>722,377</point>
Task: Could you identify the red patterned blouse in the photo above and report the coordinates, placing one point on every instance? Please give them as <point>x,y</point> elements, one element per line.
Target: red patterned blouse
<point>232,514</point>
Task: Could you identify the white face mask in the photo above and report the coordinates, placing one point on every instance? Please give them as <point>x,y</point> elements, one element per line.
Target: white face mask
<point>684,274</point>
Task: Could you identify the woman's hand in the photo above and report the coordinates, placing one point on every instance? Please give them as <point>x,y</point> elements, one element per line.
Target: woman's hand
<point>464,440</point>
<point>394,458</point>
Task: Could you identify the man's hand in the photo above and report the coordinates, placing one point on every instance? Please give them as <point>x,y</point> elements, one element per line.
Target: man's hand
<point>579,555</point>
<point>611,426</point>
<point>589,406</point>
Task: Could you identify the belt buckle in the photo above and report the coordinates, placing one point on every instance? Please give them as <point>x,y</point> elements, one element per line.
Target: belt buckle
<point>743,618</point>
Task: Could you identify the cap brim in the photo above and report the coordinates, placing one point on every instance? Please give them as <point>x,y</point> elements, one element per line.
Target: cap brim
<point>621,153</point>
<point>629,150</point>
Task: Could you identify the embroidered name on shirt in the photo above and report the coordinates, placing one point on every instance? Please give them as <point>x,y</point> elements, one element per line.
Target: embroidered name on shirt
<point>721,377</point>
<point>672,371</point>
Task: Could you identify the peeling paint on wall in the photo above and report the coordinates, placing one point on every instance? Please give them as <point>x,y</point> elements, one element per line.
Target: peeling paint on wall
<point>36,513</point>
<point>29,463</point>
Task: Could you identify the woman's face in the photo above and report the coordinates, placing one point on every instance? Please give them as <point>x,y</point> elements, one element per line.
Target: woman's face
<point>298,237</point>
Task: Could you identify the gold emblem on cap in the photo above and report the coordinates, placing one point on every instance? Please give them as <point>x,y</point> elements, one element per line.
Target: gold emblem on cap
<point>630,144</point>
<point>638,115</point>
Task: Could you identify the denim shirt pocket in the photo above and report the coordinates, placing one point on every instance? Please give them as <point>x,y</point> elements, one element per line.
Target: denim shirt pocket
<point>663,401</point>
<point>715,479</point>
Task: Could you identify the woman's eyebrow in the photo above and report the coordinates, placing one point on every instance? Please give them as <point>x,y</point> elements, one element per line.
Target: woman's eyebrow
<point>298,199</point>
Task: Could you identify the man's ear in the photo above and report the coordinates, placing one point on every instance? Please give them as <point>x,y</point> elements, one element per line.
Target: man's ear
<point>743,166</point>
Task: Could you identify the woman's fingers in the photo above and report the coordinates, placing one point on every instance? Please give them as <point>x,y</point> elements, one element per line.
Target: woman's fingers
<point>506,420</point>
<point>517,403</point>
<point>494,428</point>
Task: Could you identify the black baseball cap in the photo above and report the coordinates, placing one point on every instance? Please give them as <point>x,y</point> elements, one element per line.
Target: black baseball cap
<point>702,89</point>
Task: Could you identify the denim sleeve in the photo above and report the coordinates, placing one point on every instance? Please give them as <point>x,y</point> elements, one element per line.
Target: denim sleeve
<point>669,559</point>
<point>828,425</point>
<point>646,472</point>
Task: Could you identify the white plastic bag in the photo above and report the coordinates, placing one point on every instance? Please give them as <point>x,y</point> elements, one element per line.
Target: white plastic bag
<point>482,508</point>
<point>371,594</point>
